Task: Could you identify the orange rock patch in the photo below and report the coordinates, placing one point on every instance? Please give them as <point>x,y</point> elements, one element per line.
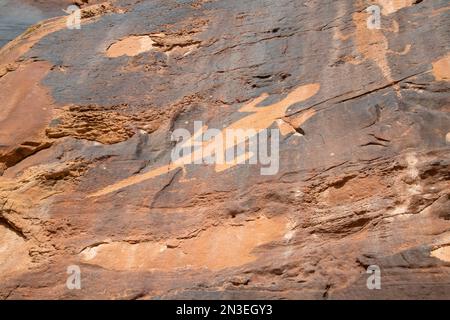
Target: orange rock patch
<point>14,255</point>
<point>354,190</point>
<point>216,248</point>
<point>441,69</point>
<point>26,104</point>
<point>391,6</point>
<point>130,46</point>
<point>442,253</point>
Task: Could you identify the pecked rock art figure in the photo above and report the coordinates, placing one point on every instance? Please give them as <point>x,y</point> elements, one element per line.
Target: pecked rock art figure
<point>371,43</point>
<point>259,118</point>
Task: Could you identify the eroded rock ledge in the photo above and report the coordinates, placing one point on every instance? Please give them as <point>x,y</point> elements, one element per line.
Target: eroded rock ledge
<point>364,173</point>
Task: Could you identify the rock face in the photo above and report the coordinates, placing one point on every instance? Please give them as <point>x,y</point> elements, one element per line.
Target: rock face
<point>362,175</point>
<point>16,16</point>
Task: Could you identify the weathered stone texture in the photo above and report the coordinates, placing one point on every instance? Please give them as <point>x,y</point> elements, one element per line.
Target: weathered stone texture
<point>86,178</point>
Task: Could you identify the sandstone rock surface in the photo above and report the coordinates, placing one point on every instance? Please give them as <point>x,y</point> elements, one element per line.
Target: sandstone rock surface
<point>86,176</point>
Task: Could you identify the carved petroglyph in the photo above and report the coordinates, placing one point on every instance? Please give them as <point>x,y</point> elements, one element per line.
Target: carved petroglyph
<point>372,44</point>
<point>260,118</point>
